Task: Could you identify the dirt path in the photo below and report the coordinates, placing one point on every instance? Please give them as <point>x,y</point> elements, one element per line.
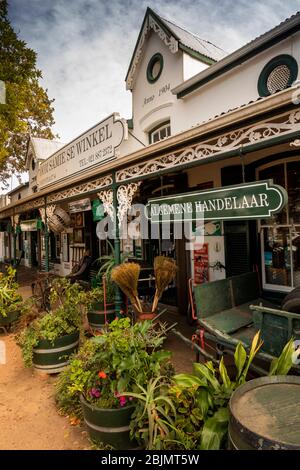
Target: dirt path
<point>28,416</point>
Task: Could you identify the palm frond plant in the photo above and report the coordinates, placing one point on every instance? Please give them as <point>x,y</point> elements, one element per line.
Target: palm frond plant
<point>107,264</point>
<point>191,410</point>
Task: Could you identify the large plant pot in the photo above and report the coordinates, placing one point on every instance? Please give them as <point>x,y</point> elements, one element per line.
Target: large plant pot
<point>53,357</point>
<point>96,316</point>
<point>109,426</point>
<point>10,318</point>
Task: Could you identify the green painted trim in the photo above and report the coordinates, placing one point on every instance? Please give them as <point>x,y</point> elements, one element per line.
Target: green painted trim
<point>197,55</point>
<point>118,295</point>
<point>155,58</point>
<point>282,59</point>
<point>260,48</point>
<point>130,123</point>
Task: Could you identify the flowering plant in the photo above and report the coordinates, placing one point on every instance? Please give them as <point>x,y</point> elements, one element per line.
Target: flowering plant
<point>112,363</point>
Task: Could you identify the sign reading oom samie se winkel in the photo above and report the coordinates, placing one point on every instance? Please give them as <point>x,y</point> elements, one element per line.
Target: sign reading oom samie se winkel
<point>96,146</point>
<point>255,200</point>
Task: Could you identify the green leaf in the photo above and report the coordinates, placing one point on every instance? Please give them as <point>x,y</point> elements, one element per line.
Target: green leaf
<point>240,357</point>
<point>214,430</point>
<point>188,380</point>
<point>205,372</point>
<point>223,373</point>
<point>203,401</point>
<point>283,364</point>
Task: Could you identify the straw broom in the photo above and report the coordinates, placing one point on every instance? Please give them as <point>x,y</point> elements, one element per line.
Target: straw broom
<point>164,271</point>
<point>126,276</point>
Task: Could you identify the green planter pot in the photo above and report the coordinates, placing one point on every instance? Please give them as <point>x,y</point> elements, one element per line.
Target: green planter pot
<point>109,426</point>
<point>53,357</point>
<point>10,318</point>
<point>96,316</point>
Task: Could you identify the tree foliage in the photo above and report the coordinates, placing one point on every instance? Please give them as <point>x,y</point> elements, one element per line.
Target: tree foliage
<point>27,109</point>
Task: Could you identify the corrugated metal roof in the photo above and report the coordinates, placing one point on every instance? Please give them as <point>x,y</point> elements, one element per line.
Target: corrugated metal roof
<point>257,45</point>
<point>43,148</point>
<point>194,42</point>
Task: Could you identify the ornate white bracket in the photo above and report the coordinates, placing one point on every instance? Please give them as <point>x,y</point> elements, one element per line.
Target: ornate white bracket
<point>170,42</point>
<point>42,214</point>
<point>49,211</point>
<point>125,195</point>
<point>295,143</point>
<point>107,198</point>
<point>15,220</point>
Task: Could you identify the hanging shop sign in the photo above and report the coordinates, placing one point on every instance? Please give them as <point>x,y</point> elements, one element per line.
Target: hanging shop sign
<point>28,225</point>
<point>98,210</point>
<point>80,206</point>
<point>93,148</point>
<point>255,200</point>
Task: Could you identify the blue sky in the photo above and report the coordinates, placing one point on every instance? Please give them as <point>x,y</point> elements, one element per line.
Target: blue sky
<point>84,46</point>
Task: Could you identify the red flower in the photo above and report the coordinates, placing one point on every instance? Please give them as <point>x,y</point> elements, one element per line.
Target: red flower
<point>102,375</point>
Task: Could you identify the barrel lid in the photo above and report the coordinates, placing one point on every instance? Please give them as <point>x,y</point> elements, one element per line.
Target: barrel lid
<point>267,409</point>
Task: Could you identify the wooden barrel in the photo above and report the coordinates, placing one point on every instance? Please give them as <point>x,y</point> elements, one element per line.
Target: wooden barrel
<point>109,426</point>
<point>264,414</point>
<point>96,316</point>
<point>53,357</point>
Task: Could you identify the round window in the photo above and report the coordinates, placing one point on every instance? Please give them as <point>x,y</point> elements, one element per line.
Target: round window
<point>155,67</point>
<point>277,75</point>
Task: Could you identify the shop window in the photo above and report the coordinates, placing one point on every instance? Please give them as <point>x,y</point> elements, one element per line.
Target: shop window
<point>160,133</point>
<point>277,75</point>
<point>280,235</point>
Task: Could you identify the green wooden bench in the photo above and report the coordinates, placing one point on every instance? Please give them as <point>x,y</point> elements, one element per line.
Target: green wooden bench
<point>224,305</point>
<point>276,327</point>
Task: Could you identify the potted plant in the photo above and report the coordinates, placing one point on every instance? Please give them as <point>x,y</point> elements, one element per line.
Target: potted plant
<point>106,367</point>
<point>49,340</point>
<point>10,300</point>
<point>190,411</point>
<point>126,276</point>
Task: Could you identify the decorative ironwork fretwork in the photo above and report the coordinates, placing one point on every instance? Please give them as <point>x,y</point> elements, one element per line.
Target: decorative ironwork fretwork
<point>107,198</point>
<point>209,148</point>
<point>27,206</point>
<point>81,189</point>
<point>125,195</point>
<point>170,42</point>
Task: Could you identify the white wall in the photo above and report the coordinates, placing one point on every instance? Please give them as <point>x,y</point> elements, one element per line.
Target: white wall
<point>192,66</point>
<point>231,90</point>
<point>153,102</point>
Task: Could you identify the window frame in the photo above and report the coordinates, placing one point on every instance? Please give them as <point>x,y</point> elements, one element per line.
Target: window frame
<point>282,59</point>
<point>155,58</point>
<point>159,128</point>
